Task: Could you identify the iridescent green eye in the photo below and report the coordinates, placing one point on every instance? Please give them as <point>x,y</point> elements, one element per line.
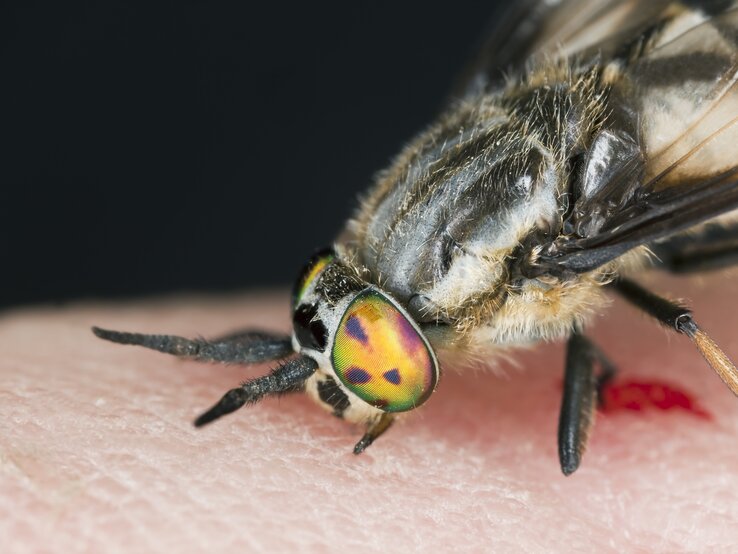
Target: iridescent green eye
<point>381,355</point>
<point>310,272</point>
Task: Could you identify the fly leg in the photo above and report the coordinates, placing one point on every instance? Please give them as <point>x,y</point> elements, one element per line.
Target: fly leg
<point>288,377</point>
<point>375,429</point>
<point>244,347</point>
<point>716,247</point>
<point>581,392</point>
<point>679,318</point>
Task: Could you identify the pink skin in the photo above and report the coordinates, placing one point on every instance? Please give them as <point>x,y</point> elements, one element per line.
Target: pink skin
<point>98,453</point>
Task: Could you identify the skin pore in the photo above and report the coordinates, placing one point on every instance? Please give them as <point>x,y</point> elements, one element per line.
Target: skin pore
<point>98,452</point>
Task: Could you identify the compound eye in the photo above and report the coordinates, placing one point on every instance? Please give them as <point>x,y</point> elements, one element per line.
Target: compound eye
<point>310,273</point>
<point>381,356</point>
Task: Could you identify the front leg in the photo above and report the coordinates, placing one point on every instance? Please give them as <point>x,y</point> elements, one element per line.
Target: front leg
<point>581,391</point>
<point>374,430</point>
<point>242,347</point>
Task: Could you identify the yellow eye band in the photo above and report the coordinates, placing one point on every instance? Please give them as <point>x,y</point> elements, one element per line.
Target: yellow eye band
<point>314,267</point>
<point>381,356</point>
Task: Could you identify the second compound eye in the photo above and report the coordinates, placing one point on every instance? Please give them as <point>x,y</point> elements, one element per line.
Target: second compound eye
<point>310,273</point>
<point>309,330</point>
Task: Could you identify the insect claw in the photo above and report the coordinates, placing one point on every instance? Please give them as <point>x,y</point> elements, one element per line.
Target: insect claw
<point>121,337</point>
<point>571,463</point>
<point>363,443</point>
<point>231,401</point>
<point>375,430</point>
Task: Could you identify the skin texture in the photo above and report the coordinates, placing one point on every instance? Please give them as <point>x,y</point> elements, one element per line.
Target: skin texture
<point>97,450</point>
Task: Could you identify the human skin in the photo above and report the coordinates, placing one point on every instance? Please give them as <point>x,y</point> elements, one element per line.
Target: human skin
<point>98,452</point>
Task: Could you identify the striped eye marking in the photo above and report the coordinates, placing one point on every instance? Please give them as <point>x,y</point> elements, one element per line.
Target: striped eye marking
<point>310,272</point>
<point>381,355</point>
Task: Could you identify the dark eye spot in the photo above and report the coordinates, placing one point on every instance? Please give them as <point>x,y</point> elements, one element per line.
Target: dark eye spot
<point>393,376</point>
<point>354,329</point>
<point>310,331</point>
<point>357,376</point>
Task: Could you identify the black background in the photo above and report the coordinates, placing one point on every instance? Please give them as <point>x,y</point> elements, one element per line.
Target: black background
<point>152,147</point>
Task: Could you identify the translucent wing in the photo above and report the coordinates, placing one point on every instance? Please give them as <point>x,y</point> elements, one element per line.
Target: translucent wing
<point>678,104</point>
<point>551,28</point>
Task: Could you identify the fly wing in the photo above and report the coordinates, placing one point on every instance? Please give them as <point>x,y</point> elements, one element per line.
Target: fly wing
<point>682,97</point>
<point>551,28</point>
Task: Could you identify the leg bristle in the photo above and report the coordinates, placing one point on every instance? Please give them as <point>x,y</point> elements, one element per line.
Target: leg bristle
<point>717,359</point>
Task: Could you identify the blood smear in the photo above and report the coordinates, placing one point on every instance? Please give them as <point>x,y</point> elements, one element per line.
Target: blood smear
<point>641,396</point>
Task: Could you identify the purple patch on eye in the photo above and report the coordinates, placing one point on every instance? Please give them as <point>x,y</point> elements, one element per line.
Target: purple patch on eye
<point>354,329</point>
<point>410,337</point>
<point>357,376</point>
<point>393,376</point>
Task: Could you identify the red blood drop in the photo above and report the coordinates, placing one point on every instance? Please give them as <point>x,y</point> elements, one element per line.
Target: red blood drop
<point>640,396</point>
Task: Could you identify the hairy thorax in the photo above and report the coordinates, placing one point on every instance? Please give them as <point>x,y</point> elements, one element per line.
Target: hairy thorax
<point>448,227</point>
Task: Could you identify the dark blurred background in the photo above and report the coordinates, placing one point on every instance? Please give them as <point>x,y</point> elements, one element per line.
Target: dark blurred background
<point>158,147</point>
